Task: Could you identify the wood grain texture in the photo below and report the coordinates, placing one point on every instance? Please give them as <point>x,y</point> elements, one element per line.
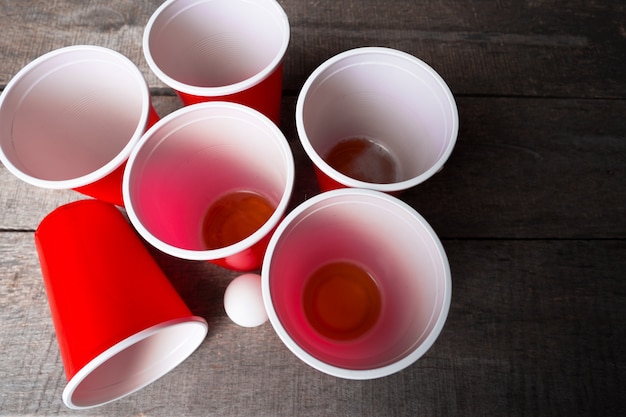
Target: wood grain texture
<point>531,208</point>
<point>532,169</point>
<point>512,47</point>
<point>517,342</point>
<point>521,169</point>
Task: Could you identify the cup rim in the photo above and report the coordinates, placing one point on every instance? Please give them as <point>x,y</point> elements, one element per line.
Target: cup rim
<point>116,161</point>
<point>351,182</point>
<point>215,91</point>
<point>185,349</point>
<point>235,248</point>
<point>356,374</point>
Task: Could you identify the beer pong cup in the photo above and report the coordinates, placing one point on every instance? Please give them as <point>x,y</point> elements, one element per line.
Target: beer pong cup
<point>120,324</point>
<point>220,50</point>
<point>194,158</point>
<point>394,116</point>
<point>69,119</point>
<point>356,283</point>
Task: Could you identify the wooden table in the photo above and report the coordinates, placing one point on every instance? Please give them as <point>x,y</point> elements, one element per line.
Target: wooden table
<point>531,209</point>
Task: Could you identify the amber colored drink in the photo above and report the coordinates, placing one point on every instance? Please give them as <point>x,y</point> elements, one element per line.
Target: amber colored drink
<point>341,301</point>
<point>363,159</point>
<point>234,217</point>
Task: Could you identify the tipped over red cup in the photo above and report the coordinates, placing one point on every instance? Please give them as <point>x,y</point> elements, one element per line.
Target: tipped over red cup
<point>119,322</point>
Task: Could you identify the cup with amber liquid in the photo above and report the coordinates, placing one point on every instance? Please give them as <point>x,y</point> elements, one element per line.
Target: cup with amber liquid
<point>210,181</point>
<point>376,118</point>
<point>356,283</point>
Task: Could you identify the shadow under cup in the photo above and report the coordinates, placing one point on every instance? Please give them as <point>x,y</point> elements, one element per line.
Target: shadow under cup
<point>384,237</point>
<point>192,158</point>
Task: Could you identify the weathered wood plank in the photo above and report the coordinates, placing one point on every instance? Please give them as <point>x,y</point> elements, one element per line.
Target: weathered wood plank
<point>522,168</point>
<point>508,47</point>
<point>532,169</point>
<point>530,207</point>
<point>31,28</point>
<point>535,328</point>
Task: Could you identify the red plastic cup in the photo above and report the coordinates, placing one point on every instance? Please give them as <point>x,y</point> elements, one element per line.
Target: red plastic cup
<point>193,158</point>
<point>69,119</point>
<point>120,324</point>
<point>381,96</point>
<point>220,50</point>
<point>371,319</point>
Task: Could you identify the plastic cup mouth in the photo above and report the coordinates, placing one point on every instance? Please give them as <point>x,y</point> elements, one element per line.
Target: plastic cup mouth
<point>71,117</point>
<point>193,156</point>
<point>237,43</point>
<point>134,363</point>
<point>389,239</point>
<point>385,95</point>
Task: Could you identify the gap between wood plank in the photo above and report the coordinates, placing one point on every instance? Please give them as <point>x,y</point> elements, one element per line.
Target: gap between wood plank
<point>462,239</point>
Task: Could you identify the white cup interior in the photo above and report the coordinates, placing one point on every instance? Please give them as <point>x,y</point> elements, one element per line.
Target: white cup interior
<point>194,156</point>
<point>215,47</point>
<point>71,116</point>
<point>384,95</point>
<point>134,363</point>
<point>392,242</point>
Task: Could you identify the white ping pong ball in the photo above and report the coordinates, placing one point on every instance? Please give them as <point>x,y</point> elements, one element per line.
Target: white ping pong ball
<point>243,301</point>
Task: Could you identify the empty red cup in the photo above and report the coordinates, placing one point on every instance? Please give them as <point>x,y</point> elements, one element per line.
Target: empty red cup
<point>120,324</point>
<point>69,119</point>
<point>220,50</point>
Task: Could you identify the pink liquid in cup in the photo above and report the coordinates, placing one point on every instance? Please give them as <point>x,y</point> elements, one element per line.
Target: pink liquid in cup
<point>196,159</point>
<point>220,50</point>
<point>356,283</point>
<point>69,119</point>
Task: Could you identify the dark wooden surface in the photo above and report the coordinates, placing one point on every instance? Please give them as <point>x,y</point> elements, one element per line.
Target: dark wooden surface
<point>531,209</point>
